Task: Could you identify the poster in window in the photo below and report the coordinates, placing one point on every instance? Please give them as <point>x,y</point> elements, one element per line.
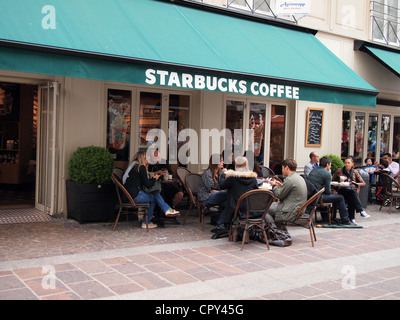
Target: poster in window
<point>9,101</point>
<point>314,127</point>
<point>118,123</point>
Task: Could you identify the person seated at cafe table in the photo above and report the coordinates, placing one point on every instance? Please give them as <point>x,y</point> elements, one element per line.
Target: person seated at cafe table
<point>136,179</point>
<point>394,167</point>
<point>370,168</point>
<point>353,177</point>
<point>209,189</point>
<point>171,193</point>
<point>237,182</point>
<point>321,177</point>
<point>314,161</point>
<point>292,194</point>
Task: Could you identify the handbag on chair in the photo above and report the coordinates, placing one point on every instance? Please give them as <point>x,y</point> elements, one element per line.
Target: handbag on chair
<point>155,188</point>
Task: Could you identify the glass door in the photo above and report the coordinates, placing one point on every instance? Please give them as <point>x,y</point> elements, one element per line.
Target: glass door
<point>47,156</point>
<point>257,125</point>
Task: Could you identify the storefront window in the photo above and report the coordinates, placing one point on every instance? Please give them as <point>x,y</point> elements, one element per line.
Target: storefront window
<point>396,139</point>
<point>372,127</point>
<point>346,127</point>
<point>149,118</point>
<point>257,124</point>
<point>118,123</point>
<point>178,116</point>
<point>385,134</point>
<point>234,120</point>
<point>277,139</point>
<point>359,139</point>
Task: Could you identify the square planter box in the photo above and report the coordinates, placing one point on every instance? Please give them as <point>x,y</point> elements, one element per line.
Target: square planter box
<point>90,202</point>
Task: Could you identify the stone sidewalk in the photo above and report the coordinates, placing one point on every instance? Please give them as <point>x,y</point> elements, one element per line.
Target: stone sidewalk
<point>61,259</point>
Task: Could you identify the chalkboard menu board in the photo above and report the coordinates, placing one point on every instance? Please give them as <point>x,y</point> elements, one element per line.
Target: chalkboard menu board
<point>315,123</point>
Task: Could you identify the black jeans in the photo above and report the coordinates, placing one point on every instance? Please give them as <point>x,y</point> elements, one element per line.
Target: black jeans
<point>353,201</point>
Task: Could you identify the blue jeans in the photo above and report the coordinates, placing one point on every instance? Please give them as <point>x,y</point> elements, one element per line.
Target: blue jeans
<point>153,199</point>
<point>337,200</point>
<point>219,198</point>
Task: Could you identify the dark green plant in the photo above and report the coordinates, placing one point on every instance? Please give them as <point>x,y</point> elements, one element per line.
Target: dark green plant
<point>336,162</point>
<point>91,165</point>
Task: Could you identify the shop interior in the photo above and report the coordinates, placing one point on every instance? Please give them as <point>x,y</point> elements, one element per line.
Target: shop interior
<point>18,139</point>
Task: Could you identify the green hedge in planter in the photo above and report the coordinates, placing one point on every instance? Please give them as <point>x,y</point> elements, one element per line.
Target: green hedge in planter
<point>90,192</point>
<point>91,165</point>
<point>336,162</point>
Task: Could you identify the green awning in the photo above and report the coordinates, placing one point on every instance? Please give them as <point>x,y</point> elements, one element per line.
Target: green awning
<point>163,43</point>
<point>389,58</point>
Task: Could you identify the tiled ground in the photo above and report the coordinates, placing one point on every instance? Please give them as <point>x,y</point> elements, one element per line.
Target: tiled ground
<point>61,259</point>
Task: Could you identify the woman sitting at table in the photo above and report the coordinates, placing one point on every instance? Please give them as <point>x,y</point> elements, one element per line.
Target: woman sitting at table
<point>349,174</point>
<point>136,179</point>
<point>237,182</point>
<point>171,193</point>
<point>209,188</point>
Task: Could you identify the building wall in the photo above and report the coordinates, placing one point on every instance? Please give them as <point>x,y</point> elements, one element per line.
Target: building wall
<point>348,18</point>
<point>331,136</point>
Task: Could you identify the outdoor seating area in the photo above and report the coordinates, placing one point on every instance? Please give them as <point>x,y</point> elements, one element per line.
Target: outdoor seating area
<point>248,221</point>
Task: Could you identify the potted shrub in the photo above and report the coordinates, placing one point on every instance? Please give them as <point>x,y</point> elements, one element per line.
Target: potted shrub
<point>90,192</point>
<point>336,162</point>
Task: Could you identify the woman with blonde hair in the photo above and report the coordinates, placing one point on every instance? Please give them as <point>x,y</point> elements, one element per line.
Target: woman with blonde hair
<point>136,179</point>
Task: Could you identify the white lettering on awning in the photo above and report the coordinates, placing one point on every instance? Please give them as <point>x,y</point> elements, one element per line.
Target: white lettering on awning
<point>213,83</point>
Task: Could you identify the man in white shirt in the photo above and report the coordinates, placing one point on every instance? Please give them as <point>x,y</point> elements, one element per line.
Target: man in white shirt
<point>393,166</point>
<point>314,163</point>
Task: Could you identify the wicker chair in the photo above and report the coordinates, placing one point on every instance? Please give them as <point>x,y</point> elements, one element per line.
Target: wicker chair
<point>130,206</point>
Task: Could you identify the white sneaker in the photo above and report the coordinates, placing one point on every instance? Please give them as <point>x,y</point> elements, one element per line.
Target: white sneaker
<point>364,214</point>
<point>353,221</point>
<point>172,213</point>
<point>151,226</point>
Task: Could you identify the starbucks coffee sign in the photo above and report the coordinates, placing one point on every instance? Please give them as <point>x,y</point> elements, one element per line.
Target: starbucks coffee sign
<point>220,84</point>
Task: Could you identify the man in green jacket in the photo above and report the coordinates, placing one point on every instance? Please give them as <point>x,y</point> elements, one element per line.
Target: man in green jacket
<point>292,194</point>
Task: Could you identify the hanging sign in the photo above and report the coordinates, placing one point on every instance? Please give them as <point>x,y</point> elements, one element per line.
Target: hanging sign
<point>292,7</point>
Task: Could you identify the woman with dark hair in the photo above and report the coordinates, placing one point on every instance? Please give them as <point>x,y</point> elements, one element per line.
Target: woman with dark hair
<point>349,174</point>
<point>209,188</point>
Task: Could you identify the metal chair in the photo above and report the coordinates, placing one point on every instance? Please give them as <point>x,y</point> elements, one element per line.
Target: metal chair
<point>192,183</point>
<point>265,171</point>
<point>250,212</point>
<point>394,194</point>
<point>182,173</point>
<point>325,205</point>
<point>130,206</point>
<point>306,212</point>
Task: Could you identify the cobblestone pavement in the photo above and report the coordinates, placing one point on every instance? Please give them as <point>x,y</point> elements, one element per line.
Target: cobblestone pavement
<point>61,259</point>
